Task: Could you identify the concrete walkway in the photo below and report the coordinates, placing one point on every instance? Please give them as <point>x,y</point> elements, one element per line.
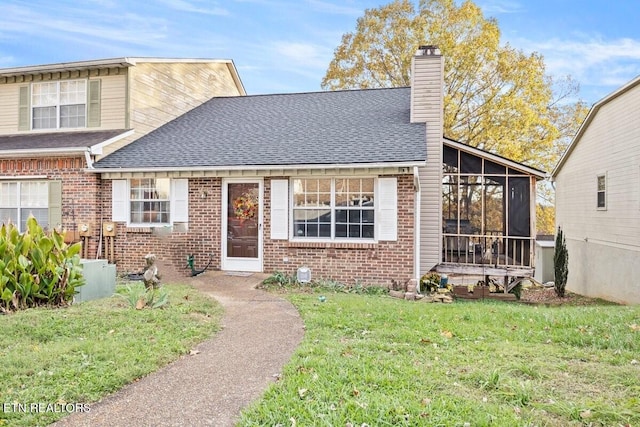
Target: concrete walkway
<point>259,334</point>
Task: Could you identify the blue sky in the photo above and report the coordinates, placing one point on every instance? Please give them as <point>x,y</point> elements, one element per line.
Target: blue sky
<point>286,45</point>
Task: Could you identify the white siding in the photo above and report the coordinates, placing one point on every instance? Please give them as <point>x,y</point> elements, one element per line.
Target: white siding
<point>609,145</point>
<point>427,106</point>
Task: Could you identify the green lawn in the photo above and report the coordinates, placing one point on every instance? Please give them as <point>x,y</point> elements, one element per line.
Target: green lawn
<point>378,361</point>
<point>84,352</point>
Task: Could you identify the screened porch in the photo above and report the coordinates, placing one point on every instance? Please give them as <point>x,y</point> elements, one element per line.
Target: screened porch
<point>488,209</point>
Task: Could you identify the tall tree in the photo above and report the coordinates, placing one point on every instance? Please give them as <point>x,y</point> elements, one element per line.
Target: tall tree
<point>496,97</point>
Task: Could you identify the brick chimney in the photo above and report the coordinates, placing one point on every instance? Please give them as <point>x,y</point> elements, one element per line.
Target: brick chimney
<point>427,71</point>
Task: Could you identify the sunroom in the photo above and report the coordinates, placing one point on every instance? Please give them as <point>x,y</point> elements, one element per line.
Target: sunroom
<point>488,213</point>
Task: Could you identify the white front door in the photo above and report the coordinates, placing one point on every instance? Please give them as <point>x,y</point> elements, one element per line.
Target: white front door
<point>242,224</point>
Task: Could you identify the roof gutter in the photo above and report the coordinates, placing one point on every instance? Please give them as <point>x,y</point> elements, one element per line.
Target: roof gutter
<point>43,152</point>
<point>64,66</point>
<point>408,165</point>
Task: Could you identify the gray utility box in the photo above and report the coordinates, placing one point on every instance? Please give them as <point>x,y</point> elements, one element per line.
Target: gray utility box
<point>100,280</point>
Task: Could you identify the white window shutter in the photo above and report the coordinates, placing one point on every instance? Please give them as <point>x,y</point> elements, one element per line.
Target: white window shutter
<point>180,200</point>
<point>279,209</point>
<point>387,216</point>
<point>119,200</point>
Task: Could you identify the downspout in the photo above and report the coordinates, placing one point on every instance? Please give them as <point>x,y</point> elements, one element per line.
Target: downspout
<point>87,157</point>
<point>417,228</point>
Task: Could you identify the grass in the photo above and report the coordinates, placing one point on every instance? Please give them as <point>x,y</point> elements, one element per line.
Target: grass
<point>375,360</point>
<point>84,352</point>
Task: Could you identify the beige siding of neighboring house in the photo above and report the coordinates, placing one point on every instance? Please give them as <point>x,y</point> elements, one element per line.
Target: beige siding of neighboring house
<point>159,92</point>
<point>604,244</point>
<point>112,103</point>
<point>427,106</point>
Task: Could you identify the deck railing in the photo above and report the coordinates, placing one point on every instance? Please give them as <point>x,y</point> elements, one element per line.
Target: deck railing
<point>488,249</point>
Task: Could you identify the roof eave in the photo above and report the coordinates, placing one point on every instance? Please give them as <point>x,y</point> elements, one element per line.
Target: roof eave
<point>403,164</point>
<point>498,159</point>
<point>97,148</point>
<point>64,66</point>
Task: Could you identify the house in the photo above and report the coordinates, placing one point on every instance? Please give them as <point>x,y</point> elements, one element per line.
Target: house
<point>597,184</point>
<point>56,120</point>
<point>348,184</point>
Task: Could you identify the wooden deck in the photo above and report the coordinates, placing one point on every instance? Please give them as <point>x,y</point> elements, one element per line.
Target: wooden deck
<point>484,270</point>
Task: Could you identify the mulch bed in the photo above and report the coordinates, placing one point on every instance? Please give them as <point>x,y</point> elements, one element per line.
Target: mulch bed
<point>547,296</point>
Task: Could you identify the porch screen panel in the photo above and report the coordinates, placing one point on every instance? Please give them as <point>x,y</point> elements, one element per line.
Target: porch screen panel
<point>519,207</point>
<point>494,205</point>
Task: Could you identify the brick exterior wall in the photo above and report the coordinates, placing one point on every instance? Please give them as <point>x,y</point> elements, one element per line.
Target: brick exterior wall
<point>200,237</point>
<point>380,263</point>
<point>80,190</point>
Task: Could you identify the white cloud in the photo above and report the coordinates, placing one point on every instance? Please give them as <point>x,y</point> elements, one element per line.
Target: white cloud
<point>195,7</point>
<point>305,55</point>
<point>494,7</point>
<point>341,9</point>
<point>599,65</point>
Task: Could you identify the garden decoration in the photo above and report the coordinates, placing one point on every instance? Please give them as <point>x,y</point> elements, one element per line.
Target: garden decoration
<point>151,276</point>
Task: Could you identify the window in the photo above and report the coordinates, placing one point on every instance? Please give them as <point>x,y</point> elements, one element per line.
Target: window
<point>19,200</point>
<point>150,202</point>
<point>59,104</point>
<point>602,192</point>
<point>334,208</point>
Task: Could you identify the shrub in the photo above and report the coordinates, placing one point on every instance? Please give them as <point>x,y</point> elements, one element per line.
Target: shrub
<point>37,268</point>
<point>560,264</point>
<point>430,282</point>
<point>139,297</point>
<point>280,279</point>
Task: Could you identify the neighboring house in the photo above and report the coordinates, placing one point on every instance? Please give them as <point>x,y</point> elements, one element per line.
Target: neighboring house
<point>57,119</point>
<point>346,183</point>
<point>598,199</point>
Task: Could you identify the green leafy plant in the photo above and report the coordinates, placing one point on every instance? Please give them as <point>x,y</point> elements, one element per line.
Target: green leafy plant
<point>139,297</point>
<point>517,290</point>
<point>430,282</point>
<point>560,263</point>
<point>37,267</point>
<point>280,279</point>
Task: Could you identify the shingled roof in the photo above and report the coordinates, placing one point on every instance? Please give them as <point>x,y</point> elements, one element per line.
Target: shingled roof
<point>341,127</point>
<point>56,140</point>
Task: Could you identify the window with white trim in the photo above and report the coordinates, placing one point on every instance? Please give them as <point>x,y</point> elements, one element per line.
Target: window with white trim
<point>58,105</point>
<point>19,200</point>
<point>334,208</point>
<point>150,201</point>
<point>602,192</point>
